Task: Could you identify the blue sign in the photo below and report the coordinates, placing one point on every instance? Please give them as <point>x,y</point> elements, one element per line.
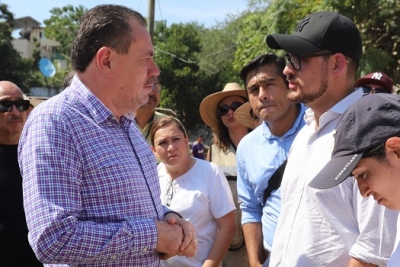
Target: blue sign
<point>46,67</point>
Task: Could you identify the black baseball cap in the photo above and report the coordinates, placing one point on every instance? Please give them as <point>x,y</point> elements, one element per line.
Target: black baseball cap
<point>365,125</point>
<point>322,30</point>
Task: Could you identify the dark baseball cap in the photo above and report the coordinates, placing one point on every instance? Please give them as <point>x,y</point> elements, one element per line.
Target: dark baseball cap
<point>322,30</point>
<point>365,125</point>
<point>379,78</point>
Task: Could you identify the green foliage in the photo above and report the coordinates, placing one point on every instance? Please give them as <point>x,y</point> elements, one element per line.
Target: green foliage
<point>63,26</point>
<point>379,24</point>
<point>177,54</point>
<point>13,67</point>
<point>378,21</point>
<point>270,17</point>
<point>196,61</point>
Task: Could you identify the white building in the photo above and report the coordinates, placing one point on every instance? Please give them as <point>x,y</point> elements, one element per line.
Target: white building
<point>31,31</point>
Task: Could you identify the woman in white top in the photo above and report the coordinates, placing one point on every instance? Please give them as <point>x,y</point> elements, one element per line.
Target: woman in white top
<point>196,189</point>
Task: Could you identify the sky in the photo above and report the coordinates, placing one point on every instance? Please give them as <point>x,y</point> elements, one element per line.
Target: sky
<point>206,12</point>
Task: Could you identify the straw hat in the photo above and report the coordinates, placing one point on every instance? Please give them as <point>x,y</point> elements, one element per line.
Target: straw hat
<point>208,107</point>
<point>34,100</point>
<point>243,116</point>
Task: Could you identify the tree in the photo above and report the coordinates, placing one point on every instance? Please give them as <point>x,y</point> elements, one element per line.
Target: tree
<point>63,26</point>
<point>378,21</point>
<point>13,67</point>
<point>177,55</point>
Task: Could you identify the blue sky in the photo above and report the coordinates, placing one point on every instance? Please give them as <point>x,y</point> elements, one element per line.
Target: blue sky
<point>206,12</point>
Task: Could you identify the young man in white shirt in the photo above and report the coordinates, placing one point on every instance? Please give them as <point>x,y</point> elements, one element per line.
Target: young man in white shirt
<point>335,227</point>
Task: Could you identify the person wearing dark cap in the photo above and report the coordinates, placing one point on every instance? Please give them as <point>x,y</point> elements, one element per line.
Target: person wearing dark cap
<point>367,147</point>
<point>262,153</point>
<point>335,227</point>
<point>375,83</point>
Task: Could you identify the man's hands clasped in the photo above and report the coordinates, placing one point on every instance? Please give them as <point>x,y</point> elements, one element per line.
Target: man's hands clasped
<point>176,236</point>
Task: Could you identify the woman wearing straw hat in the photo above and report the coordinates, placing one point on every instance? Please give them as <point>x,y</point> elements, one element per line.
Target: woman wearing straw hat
<point>217,111</point>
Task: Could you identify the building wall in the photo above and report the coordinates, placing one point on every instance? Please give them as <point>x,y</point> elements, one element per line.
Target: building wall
<point>44,92</point>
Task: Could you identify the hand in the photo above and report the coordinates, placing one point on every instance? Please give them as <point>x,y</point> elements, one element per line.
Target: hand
<point>169,241</point>
<point>189,244</point>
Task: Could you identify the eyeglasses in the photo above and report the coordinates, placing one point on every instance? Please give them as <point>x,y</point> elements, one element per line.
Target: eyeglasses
<point>378,90</point>
<point>295,60</point>
<point>7,105</point>
<point>156,87</point>
<point>169,194</point>
<point>224,109</point>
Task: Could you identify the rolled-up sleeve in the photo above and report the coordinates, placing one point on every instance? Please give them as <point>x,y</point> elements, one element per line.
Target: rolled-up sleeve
<point>377,227</point>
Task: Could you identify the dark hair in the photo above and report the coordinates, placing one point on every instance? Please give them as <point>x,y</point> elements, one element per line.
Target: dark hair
<point>103,25</point>
<point>68,79</point>
<point>378,153</point>
<point>164,121</point>
<point>222,138</point>
<point>262,60</point>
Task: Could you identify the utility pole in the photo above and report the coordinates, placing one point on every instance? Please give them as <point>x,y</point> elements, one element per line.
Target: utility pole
<point>150,20</point>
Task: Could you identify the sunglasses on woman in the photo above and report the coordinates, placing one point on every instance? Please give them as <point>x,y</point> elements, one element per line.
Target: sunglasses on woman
<point>7,105</point>
<point>224,109</point>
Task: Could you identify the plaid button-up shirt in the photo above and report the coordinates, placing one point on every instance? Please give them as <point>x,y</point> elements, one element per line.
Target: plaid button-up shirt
<point>91,191</point>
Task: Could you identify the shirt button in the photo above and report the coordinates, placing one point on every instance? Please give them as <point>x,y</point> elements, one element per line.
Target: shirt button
<point>144,250</point>
<point>114,257</point>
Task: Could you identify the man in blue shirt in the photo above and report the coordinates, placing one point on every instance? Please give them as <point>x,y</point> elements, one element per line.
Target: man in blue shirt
<point>261,152</point>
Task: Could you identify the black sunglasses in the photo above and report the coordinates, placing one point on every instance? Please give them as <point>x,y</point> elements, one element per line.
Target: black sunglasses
<point>378,90</point>
<point>224,109</point>
<point>7,105</point>
<point>295,60</point>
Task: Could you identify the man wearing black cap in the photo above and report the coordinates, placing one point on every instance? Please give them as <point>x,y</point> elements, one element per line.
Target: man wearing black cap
<point>335,227</point>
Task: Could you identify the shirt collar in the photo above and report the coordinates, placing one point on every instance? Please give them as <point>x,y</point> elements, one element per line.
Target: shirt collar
<point>338,109</point>
<point>296,125</point>
<point>97,109</point>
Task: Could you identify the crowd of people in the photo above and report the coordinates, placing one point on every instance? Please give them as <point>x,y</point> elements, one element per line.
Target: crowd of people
<point>95,176</point>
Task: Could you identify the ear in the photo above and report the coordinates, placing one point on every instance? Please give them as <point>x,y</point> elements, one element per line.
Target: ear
<point>340,63</point>
<point>103,59</point>
<point>392,147</point>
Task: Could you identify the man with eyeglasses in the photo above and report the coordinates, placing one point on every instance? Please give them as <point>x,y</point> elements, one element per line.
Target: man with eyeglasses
<point>147,114</point>
<point>14,246</point>
<point>335,227</point>
<point>376,83</point>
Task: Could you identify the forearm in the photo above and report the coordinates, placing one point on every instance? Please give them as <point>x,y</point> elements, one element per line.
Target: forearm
<point>72,241</point>
<point>357,263</point>
<point>222,240</point>
<point>377,226</point>
<point>254,243</point>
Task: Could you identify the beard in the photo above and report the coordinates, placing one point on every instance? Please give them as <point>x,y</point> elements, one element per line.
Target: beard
<point>300,96</point>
